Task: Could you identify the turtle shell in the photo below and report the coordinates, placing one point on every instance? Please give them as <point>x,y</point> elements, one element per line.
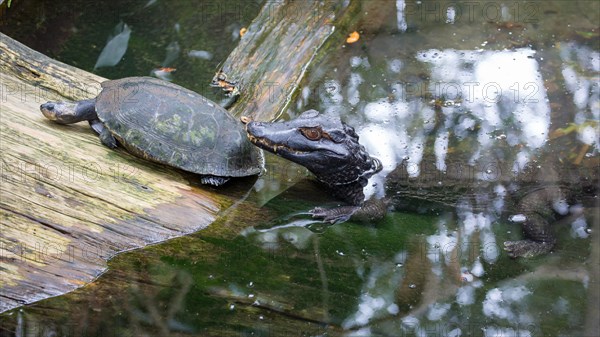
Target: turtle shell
<point>169,124</point>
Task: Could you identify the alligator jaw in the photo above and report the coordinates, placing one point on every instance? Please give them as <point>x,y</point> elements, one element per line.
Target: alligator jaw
<point>266,144</point>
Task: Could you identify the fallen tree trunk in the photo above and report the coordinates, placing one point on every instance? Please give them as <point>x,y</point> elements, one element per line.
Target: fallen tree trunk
<point>68,204</point>
<point>276,51</point>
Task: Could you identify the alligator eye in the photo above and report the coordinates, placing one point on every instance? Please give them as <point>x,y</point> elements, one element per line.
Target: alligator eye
<point>312,133</point>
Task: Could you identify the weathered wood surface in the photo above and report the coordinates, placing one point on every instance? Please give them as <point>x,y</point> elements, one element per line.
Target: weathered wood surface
<point>276,51</point>
<point>68,204</point>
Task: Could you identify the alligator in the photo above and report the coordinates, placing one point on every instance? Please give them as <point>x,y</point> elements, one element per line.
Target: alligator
<point>330,149</point>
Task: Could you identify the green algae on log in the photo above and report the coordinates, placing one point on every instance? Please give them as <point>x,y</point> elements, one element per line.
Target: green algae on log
<point>67,203</point>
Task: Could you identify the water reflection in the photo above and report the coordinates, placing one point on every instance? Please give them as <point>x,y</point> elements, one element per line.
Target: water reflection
<point>476,107</point>
<point>584,86</point>
<point>496,97</point>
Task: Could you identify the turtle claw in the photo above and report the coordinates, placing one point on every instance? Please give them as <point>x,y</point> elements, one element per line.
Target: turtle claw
<point>213,180</point>
<point>105,136</point>
<point>107,139</point>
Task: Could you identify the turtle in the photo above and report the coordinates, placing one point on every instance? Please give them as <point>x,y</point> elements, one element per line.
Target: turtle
<point>165,123</point>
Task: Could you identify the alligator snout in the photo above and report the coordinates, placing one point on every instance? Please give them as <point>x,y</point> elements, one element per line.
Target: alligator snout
<point>256,129</point>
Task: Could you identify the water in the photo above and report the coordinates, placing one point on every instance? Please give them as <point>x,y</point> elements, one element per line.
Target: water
<point>413,87</point>
<point>192,37</point>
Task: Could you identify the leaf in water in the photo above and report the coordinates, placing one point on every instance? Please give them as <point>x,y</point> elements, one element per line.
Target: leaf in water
<point>173,51</point>
<point>150,3</point>
<point>163,73</point>
<point>200,54</point>
<point>115,47</point>
<point>585,35</point>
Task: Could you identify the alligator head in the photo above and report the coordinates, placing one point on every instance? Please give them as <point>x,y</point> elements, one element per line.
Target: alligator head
<point>325,146</point>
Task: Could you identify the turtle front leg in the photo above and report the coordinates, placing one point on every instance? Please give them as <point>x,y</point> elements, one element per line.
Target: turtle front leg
<point>105,136</point>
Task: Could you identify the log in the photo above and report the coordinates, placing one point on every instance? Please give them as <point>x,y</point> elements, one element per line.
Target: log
<point>273,55</point>
<point>67,203</point>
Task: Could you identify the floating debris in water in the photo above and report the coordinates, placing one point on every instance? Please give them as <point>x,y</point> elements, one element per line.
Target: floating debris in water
<point>115,48</point>
<point>164,73</point>
<point>200,54</point>
<point>173,51</point>
<point>353,37</point>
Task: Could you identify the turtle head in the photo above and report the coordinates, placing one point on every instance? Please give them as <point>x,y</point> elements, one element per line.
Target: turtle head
<point>69,112</point>
<point>323,144</point>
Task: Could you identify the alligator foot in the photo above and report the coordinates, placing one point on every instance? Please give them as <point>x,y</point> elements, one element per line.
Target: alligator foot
<point>371,211</point>
<point>536,211</point>
<point>334,215</point>
<point>527,248</point>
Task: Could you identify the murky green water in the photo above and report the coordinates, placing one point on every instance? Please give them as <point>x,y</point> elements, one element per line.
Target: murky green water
<point>192,37</point>
<point>258,271</point>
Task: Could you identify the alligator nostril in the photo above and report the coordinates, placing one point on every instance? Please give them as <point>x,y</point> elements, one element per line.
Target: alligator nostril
<point>254,128</point>
<point>245,119</point>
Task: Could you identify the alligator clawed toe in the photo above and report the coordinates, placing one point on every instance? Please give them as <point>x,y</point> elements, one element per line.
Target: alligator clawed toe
<point>527,248</point>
